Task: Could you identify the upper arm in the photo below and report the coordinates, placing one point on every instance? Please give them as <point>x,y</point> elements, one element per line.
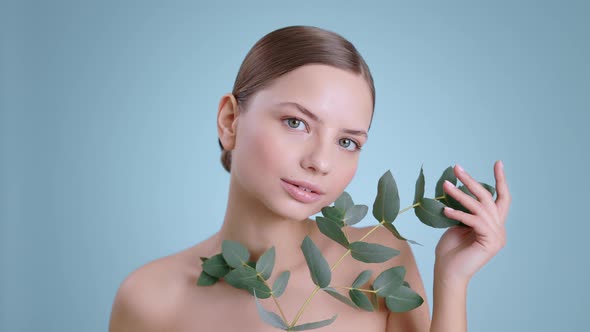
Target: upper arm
<point>141,305</point>
<point>417,319</point>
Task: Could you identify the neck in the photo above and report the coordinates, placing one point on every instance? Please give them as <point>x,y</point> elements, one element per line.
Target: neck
<point>251,223</point>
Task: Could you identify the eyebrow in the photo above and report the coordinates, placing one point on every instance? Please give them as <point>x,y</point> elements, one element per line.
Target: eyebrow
<point>307,112</point>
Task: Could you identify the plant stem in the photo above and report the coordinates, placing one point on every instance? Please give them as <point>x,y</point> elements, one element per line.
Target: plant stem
<point>361,289</point>
<point>409,207</point>
<point>368,233</point>
<point>339,260</point>
<point>279,307</point>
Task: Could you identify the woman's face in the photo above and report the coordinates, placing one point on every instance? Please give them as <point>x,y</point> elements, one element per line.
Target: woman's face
<point>304,129</point>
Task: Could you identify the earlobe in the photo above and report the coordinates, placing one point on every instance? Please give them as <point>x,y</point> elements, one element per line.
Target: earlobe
<point>227,118</point>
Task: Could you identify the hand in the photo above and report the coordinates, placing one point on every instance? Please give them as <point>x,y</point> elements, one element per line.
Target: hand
<point>462,251</point>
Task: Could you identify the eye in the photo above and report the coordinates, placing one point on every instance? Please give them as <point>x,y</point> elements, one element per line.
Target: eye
<point>347,143</point>
<point>295,123</point>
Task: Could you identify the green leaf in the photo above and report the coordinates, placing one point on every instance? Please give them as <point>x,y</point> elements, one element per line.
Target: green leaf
<point>430,212</point>
<point>395,232</point>
<point>278,287</point>
<point>373,298</point>
<point>317,264</point>
<point>448,174</point>
<point>489,188</point>
<point>334,214</point>
<point>245,277</point>
<point>314,325</point>
<point>420,183</point>
<point>362,278</point>
<point>354,214</point>
<point>335,294</point>
<point>360,299</point>
<point>216,266</point>
<point>266,262</point>
<point>234,253</point>
<point>206,279</point>
<point>371,252</point>
<point>386,205</point>
<point>329,228</point>
<point>389,280</point>
<point>404,299</point>
<point>270,317</point>
<point>343,202</point>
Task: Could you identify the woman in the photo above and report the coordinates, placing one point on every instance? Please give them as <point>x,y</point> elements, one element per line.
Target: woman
<point>291,133</point>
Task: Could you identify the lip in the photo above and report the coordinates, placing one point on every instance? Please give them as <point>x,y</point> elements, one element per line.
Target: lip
<point>307,185</point>
<point>292,188</point>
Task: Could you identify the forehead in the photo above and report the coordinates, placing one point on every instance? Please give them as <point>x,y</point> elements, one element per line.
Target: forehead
<point>337,96</point>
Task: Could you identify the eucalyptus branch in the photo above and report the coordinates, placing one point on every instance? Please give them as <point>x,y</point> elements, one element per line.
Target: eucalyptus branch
<point>300,312</point>
<point>233,265</point>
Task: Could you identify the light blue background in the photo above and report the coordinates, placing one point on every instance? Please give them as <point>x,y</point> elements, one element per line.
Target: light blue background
<point>109,155</point>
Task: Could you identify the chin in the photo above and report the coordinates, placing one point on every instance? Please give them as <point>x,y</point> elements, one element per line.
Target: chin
<point>293,210</point>
<point>295,213</point>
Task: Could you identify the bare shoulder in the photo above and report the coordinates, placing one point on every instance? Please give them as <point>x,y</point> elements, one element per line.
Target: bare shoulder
<point>413,320</point>
<point>145,300</point>
<point>150,297</point>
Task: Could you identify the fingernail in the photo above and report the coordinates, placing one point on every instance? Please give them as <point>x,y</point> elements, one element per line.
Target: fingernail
<point>449,182</point>
<point>501,164</point>
<point>449,209</point>
<point>459,168</point>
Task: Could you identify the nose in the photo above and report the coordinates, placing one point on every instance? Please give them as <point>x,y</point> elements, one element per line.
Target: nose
<point>317,157</point>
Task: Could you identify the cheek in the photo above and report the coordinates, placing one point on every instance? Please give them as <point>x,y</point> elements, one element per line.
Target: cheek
<point>348,165</point>
<point>265,150</point>
<point>260,152</point>
<point>347,175</point>
<point>340,180</point>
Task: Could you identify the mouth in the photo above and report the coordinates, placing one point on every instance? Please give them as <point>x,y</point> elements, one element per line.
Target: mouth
<point>302,191</point>
<point>305,186</point>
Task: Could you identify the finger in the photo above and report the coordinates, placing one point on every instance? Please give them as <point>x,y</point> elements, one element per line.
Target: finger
<point>484,196</point>
<point>466,218</point>
<point>503,194</point>
<point>474,206</point>
<point>492,236</point>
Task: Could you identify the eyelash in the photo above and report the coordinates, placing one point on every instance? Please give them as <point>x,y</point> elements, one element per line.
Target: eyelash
<point>356,143</point>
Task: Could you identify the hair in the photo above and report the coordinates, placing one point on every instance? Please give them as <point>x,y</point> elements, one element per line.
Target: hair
<point>286,49</point>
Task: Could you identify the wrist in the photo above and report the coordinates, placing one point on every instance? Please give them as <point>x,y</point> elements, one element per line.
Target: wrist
<point>449,311</point>
<point>450,279</point>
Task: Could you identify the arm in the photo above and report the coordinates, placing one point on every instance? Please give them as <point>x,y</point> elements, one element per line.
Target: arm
<point>460,253</point>
<point>449,312</point>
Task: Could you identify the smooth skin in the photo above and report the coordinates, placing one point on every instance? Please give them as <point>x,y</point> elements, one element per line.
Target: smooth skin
<point>270,142</point>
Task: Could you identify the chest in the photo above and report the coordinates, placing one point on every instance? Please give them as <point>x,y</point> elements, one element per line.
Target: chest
<point>223,308</point>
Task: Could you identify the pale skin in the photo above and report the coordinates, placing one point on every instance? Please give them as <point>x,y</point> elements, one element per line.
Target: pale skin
<point>270,143</point>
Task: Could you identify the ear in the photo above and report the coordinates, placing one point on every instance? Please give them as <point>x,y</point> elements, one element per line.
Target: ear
<point>227,120</point>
